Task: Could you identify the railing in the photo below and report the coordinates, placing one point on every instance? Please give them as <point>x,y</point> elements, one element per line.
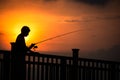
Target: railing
<point>90,69</point>
<point>47,67</point>
<point>53,67</point>
<point>4,65</point>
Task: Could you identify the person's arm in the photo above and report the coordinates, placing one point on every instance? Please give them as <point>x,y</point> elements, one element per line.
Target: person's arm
<point>31,46</point>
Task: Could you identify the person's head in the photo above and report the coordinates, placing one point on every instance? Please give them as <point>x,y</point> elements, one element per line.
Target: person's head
<point>25,30</point>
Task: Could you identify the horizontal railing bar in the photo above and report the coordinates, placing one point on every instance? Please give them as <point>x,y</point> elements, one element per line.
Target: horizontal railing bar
<point>46,55</point>
<point>43,63</point>
<point>97,61</point>
<point>4,51</point>
<point>96,68</point>
<point>55,56</point>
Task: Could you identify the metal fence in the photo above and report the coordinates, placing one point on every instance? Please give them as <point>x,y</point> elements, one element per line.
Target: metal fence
<point>53,67</point>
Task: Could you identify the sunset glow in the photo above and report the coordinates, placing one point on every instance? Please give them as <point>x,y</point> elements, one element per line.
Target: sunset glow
<point>98,22</point>
<point>17,18</point>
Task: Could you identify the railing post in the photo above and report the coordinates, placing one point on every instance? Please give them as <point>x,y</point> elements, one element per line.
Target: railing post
<point>6,66</point>
<point>75,64</point>
<point>12,76</point>
<point>63,69</point>
<point>18,71</point>
<point>113,72</point>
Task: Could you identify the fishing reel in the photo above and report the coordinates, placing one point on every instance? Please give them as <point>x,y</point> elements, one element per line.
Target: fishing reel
<point>33,46</point>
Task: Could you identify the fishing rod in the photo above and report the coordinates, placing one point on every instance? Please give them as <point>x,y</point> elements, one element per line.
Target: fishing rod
<point>61,35</point>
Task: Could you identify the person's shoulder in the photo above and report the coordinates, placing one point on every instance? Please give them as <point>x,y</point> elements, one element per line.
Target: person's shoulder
<point>20,35</point>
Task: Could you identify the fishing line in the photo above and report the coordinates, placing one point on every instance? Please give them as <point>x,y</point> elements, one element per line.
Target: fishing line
<point>61,35</point>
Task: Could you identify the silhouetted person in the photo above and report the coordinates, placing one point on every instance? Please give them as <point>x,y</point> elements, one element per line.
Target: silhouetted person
<point>19,54</point>
<point>20,41</point>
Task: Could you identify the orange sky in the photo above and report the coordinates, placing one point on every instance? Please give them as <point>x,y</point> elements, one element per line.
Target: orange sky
<point>99,24</point>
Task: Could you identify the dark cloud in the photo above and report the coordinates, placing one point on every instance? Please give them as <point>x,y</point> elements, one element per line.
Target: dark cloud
<point>108,17</point>
<point>3,3</point>
<point>112,53</point>
<point>93,2</point>
<point>98,2</point>
<point>49,0</point>
<point>1,33</point>
<point>92,18</point>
